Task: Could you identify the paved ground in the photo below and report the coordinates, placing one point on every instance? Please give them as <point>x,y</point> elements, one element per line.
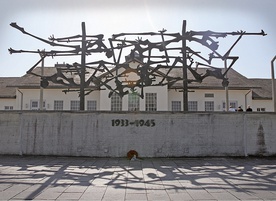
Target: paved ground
<point>78,178</point>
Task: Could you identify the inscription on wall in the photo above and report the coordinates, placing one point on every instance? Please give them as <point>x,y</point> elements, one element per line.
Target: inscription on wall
<point>126,122</point>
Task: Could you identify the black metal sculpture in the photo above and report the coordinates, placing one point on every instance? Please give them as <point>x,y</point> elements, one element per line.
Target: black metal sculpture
<point>165,52</point>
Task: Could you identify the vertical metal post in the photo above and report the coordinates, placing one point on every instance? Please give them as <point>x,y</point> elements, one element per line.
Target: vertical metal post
<point>82,73</point>
<point>184,68</point>
<point>226,88</point>
<point>273,84</point>
<point>41,88</point>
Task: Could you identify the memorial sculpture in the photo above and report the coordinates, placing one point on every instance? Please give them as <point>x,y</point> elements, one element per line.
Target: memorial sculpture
<point>155,51</point>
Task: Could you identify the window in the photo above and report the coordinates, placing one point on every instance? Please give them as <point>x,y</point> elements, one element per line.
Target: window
<point>8,107</point>
<point>233,104</point>
<point>151,101</point>
<point>116,102</point>
<point>133,102</point>
<point>262,109</point>
<point>209,95</point>
<point>92,105</point>
<point>75,105</point>
<point>35,105</point>
<point>192,105</point>
<point>58,105</point>
<point>176,105</point>
<point>209,105</point>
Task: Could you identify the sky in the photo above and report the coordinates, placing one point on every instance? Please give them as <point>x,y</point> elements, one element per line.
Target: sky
<point>63,18</point>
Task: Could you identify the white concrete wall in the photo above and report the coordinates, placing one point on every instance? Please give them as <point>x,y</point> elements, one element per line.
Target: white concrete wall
<point>164,98</point>
<point>50,95</point>
<point>105,103</point>
<point>219,97</point>
<point>267,104</point>
<point>158,134</point>
<point>11,102</point>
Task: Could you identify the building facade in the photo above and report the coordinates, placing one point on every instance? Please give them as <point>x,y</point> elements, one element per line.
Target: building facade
<point>25,93</point>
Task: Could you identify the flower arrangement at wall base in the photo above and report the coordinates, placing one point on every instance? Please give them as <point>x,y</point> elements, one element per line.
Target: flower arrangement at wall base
<point>132,154</point>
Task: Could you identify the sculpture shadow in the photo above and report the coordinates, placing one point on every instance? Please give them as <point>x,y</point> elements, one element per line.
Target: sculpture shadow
<point>173,175</point>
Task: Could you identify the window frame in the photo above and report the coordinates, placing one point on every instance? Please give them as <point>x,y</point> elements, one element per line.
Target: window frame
<point>58,104</point>
<point>209,95</point>
<point>133,102</point>
<point>209,108</point>
<point>261,109</point>
<point>8,107</point>
<point>116,102</point>
<point>151,102</point>
<point>37,107</point>
<point>176,106</point>
<point>234,104</point>
<point>91,105</point>
<point>74,105</point>
<point>192,105</point>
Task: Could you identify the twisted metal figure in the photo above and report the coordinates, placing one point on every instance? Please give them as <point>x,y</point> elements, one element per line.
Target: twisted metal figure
<point>156,58</point>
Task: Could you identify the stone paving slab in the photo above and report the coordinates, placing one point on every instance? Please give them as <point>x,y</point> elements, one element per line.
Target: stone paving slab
<point>84,178</point>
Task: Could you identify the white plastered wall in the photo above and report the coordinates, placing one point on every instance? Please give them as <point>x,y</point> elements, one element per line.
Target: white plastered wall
<point>10,102</point>
<point>198,95</point>
<point>49,96</point>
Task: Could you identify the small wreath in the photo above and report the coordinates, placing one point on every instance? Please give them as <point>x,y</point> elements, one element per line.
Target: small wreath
<point>131,154</point>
